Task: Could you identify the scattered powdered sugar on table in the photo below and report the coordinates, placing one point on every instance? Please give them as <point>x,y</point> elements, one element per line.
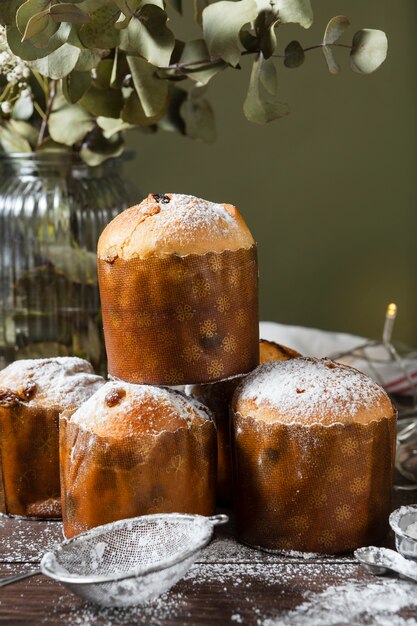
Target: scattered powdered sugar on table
<point>311,387</point>
<point>20,545</point>
<point>375,604</point>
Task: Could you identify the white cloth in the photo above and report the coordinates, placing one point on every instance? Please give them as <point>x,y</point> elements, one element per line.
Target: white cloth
<point>320,343</point>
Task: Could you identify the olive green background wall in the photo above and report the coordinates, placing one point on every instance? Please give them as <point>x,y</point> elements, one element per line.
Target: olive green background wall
<point>329,191</point>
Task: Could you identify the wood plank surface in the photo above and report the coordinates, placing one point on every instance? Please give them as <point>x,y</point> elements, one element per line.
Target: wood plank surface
<point>229,584</point>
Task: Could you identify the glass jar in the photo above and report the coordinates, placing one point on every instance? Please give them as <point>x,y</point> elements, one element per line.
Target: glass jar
<point>53,208</point>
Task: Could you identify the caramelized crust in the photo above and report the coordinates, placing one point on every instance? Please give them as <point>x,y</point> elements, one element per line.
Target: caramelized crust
<point>121,410</point>
<point>311,391</point>
<point>271,351</point>
<point>177,224</point>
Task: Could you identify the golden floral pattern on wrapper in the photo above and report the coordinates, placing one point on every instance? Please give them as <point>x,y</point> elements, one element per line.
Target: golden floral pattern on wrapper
<point>29,461</point>
<point>332,497</point>
<point>181,320</point>
<point>104,480</point>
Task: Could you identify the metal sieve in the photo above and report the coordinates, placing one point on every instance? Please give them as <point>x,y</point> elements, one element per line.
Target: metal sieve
<point>128,562</point>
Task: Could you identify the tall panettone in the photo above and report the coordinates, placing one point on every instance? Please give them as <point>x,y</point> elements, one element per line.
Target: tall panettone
<point>134,450</point>
<point>313,453</point>
<point>33,393</point>
<point>178,284</point>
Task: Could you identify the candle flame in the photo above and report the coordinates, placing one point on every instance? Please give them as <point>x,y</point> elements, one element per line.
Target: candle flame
<point>392,311</point>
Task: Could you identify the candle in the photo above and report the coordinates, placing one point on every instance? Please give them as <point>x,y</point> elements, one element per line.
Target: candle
<point>390,316</point>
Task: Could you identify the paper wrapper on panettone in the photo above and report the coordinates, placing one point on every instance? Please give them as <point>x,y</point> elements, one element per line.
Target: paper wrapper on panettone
<point>33,392</point>
<point>29,476</point>
<point>186,309</point>
<point>104,479</point>
<point>313,487</point>
<point>217,397</point>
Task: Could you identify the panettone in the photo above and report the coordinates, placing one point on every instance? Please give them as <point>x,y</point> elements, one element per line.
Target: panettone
<point>217,397</point>
<point>133,450</point>
<point>313,452</point>
<point>178,284</point>
<point>32,395</point>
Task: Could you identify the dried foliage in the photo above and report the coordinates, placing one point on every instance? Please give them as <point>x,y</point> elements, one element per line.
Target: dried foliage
<point>78,74</point>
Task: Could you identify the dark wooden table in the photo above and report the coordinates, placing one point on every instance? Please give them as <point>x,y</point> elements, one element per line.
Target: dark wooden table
<point>230,584</point>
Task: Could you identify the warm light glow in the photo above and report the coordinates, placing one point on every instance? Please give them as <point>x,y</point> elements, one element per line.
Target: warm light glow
<point>392,311</point>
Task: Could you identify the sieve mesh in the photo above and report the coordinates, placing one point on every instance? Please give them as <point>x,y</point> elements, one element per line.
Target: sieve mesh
<point>130,561</point>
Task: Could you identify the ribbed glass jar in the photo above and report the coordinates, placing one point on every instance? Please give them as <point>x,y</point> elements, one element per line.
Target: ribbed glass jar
<point>53,208</point>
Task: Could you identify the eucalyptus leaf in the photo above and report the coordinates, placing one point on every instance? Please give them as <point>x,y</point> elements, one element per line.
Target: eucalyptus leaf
<point>59,63</point>
<point>268,77</point>
<point>11,141</point>
<point>103,73</point>
<point>23,108</point>
<point>259,107</point>
<point>222,23</point>
<point>23,129</point>
<point>172,120</point>
<point>28,51</point>
<point>369,50</point>
<point>120,69</point>
<point>249,41</point>
<point>294,54</point>
<point>100,32</point>
<point>196,50</point>
<point>104,102</point>
<point>111,126</point>
<point>199,119</point>
<point>332,64</point>
<point>133,112</point>
<point>96,148</point>
<point>290,11</point>
<point>152,91</point>
<point>68,12</point>
<point>335,29</point>
<point>24,49</point>
<point>75,85</point>
<point>88,60</point>
<point>40,24</point>
<point>27,10</point>
<point>149,36</point>
<point>69,123</point>
<point>265,25</point>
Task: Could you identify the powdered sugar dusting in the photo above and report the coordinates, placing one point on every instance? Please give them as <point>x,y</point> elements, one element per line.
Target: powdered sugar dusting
<point>142,400</point>
<point>192,214</point>
<point>375,604</point>
<point>58,381</point>
<point>315,388</point>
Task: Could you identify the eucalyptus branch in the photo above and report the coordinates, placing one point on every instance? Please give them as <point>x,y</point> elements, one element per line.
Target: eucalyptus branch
<point>48,111</point>
<point>182,69</point>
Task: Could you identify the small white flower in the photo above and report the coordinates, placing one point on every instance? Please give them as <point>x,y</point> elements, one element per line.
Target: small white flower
<point>5,107</point>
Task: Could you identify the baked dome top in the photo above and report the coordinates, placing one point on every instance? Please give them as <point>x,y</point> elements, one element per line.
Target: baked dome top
<point>120,409</point>
<point>165,224</point>
<point>62,382</point>
<point>308,391</point>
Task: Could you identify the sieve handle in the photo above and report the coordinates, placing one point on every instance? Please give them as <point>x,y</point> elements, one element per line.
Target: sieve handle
<point>219,519</point>
<point>9,580</point>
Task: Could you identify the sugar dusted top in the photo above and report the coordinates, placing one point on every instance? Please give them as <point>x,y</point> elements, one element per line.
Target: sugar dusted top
<point>62,382</point>
<point>121,409</point>
<point>309,391</point>
<point>165,224</point>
